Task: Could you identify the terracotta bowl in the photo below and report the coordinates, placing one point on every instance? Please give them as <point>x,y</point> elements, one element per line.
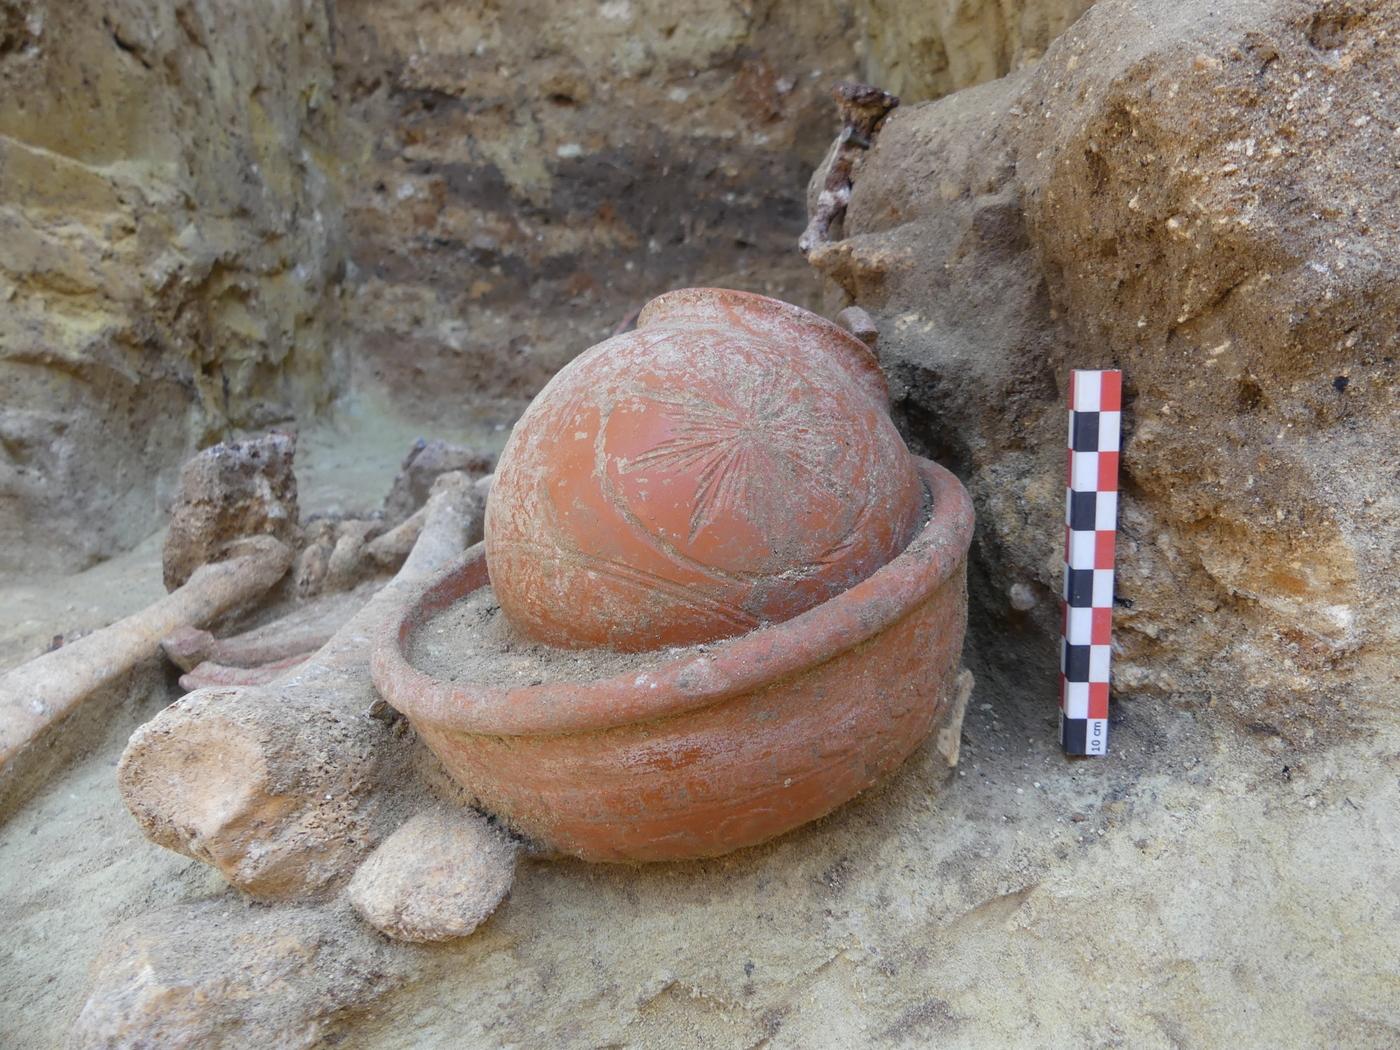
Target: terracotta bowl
<point>703,754</point>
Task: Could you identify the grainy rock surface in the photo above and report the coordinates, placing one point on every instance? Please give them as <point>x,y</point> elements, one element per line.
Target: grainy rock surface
<point>1201,195</point>
<point>218,219</point>
<point>229,492</point>
<point>225,974</point>
<point>425,463</point>
<point>437,878</point>
<point>169,241</point>
<point>921,49</point>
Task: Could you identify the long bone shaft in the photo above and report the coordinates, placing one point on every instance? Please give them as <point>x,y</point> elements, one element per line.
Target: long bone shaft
<point>284,787</point>
<point>36,696</point>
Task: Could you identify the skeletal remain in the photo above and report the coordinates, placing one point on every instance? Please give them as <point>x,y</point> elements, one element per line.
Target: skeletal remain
<point>39,694</point>
<point>863,109</point>
<point>301,632</point>
<point>208,673</point>
<point>188,647</point>
<point>947,739</point>
<point>437,877</point>
<point>310,571</point>
<point>284,787</point>
<point>349,563</point>
<point>390,549</point>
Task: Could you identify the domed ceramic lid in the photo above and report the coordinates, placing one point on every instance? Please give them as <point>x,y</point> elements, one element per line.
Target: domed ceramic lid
<point>729,463</point>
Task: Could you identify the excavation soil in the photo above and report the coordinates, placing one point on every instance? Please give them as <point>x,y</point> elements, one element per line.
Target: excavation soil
<point>1195,191</point>
<point>1192,889</point>
<point>472,642</point>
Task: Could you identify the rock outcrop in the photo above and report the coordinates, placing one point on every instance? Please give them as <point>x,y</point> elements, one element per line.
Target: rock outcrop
<point>169,246</point>
<point>218,220</point>
<point>229,492</point>
<point>923,49</point>
<point>1203,196</point>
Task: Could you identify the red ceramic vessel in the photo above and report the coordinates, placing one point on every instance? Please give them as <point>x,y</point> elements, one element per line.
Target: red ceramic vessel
<point>704,753</point>
<point>730,463</point>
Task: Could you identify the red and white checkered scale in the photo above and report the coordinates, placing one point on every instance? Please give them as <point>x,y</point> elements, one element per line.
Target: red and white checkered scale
<point>1091,520</point>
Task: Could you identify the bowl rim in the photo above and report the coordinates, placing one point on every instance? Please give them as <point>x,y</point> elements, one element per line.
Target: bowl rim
<point>674,685</point>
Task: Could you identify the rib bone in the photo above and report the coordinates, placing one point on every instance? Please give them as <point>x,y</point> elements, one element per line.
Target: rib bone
<point>299,633</point>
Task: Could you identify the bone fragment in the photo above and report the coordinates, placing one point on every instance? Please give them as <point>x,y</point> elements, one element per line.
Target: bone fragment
<point>208,673</point>
<point>309,574</point>
<point>348,563</point>
<point>301,632</point>
<point>948,731</point>
<point>436,878</point>
<point>188,647</point>
<point>39,694</point>
<point>863,109</point>
<point>390,549</point>
<point>285,787</point>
